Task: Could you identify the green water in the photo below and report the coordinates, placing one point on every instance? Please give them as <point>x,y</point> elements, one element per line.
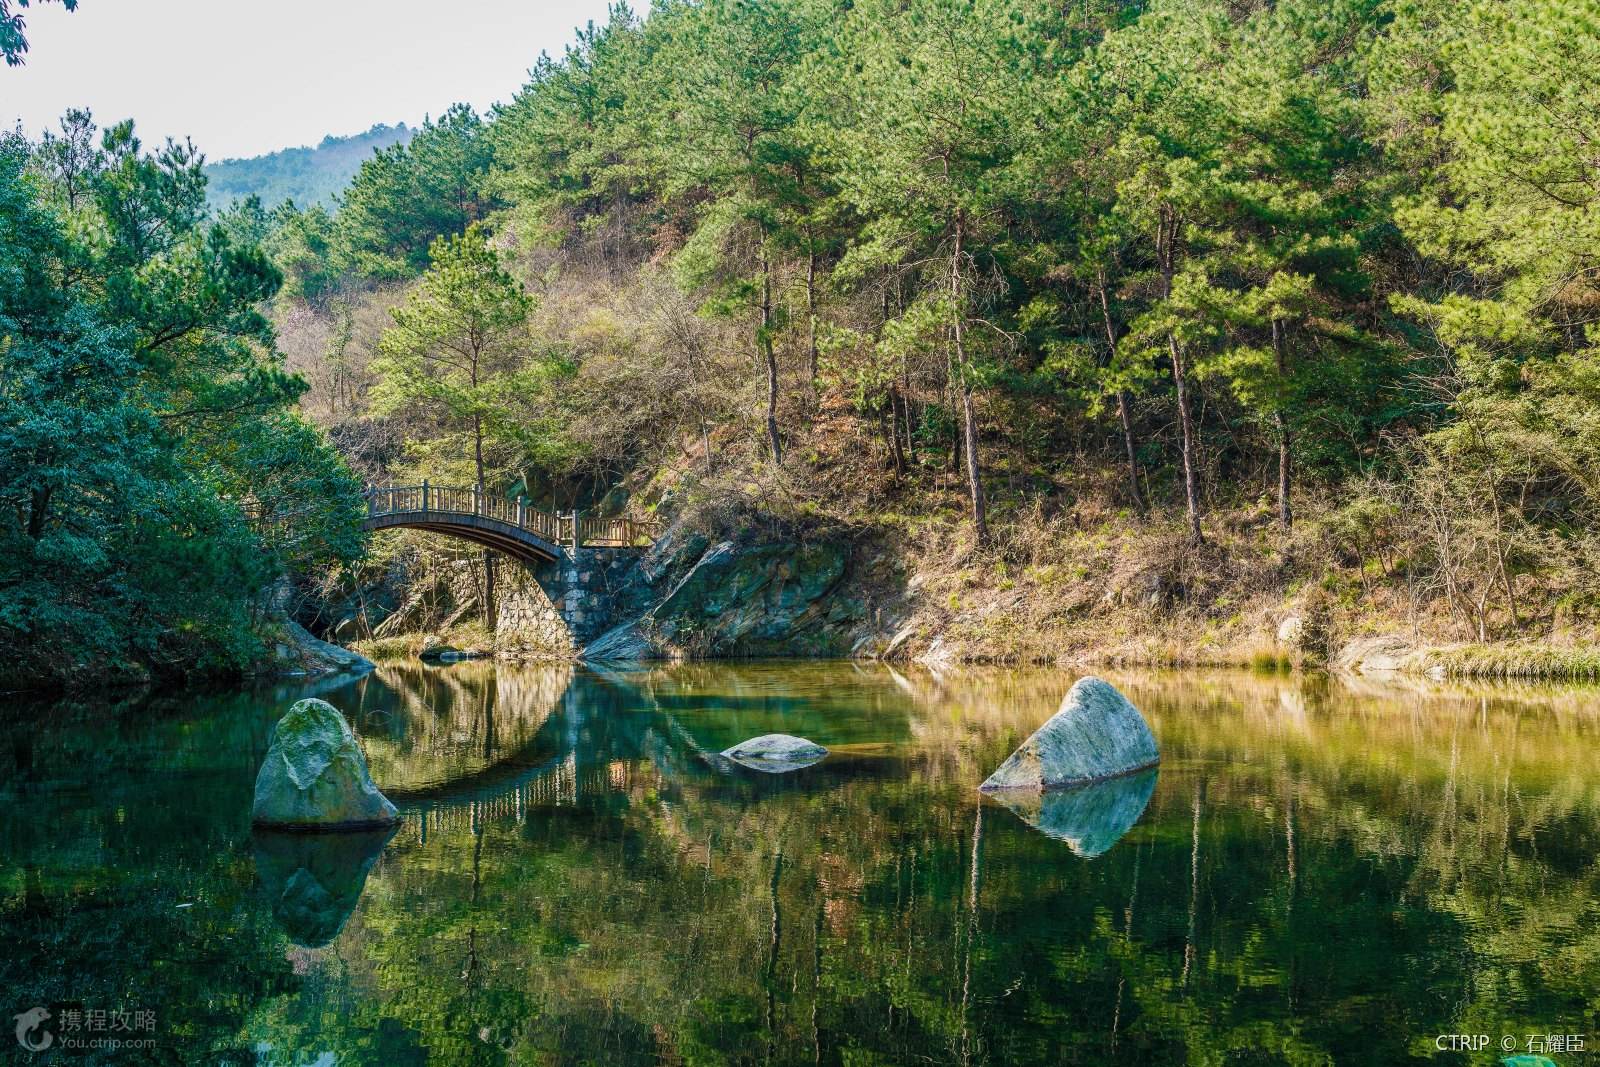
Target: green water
<point>1318,874</point>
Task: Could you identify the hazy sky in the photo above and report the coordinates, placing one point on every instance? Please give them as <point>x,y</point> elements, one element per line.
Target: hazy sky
<point>245,78</point>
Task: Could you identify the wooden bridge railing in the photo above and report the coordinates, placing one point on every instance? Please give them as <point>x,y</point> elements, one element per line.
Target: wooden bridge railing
<point>571,529</point>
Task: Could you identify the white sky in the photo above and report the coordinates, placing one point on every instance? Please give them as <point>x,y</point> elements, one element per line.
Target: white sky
<point>242,78</point>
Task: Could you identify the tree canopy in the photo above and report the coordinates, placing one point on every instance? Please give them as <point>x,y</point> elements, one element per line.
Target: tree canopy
<point>155,475</point>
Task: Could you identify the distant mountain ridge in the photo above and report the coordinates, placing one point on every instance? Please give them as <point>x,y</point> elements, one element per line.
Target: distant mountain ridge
<point>305,175</point>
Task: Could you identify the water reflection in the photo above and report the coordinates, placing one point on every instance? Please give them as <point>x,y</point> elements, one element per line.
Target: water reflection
<point>1320,873</point>
<point>312,881</point>
<point>1091,818</point>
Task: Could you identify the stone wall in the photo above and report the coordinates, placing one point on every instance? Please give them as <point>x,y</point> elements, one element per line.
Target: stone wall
<point>590,588</point>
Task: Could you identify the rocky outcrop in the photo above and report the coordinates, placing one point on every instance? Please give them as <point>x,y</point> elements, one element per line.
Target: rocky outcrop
<point>1097,734</point>
<point>315,776</point>
<point>294,651</point>
<point>732,599</point>
<point>435,650</point>
<point>687,596</point>
<point>1385,654</point>
<point>775,753</point>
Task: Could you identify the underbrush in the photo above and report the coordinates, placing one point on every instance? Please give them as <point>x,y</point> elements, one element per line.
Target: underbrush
<point>465,636</point>
<point>1520,660</point>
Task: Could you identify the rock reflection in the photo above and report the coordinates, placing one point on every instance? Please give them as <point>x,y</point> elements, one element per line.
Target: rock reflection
<point>314,881</point>
<point>1089,819</point>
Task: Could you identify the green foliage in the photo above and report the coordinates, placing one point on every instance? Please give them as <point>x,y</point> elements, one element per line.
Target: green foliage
<point>13,30</point>
<point>407,195</point>
<point>154,478</point>
<point>1228,243</point>
<point>458,353</point>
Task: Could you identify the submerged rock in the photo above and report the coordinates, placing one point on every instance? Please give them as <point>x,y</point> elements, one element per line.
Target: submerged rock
<point>315,776</point>
<point>314,881</point>
<point>775,753</point>
<point>1091,818</point>
<point>1096,734</point>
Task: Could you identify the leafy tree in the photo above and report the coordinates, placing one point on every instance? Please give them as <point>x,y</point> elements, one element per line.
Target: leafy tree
<point>13,36</point>
<point>458,349</point>
<point>140,391</point>
<point>406,196</point>
<point>1281,205</point>
<point>933,124</point>
<point>731,134</point>
<point>572,145</point>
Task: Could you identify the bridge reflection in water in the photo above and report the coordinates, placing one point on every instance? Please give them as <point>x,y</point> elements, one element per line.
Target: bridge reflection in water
<point>455,745</point>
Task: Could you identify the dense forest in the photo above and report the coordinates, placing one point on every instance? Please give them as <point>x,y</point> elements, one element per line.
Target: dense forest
<point>307,176</point>
<point>1295,297</point>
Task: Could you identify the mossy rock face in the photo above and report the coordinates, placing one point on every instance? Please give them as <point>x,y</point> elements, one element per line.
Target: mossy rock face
<point>315,776</point>
<point>1097,734</point>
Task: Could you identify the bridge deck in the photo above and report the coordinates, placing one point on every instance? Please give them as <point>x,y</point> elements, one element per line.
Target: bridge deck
<point>511,526</point>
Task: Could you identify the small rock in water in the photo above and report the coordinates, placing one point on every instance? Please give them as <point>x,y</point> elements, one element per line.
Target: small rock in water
<point>1097,734</point>
<point>315,776</point>
<point>776,753</point>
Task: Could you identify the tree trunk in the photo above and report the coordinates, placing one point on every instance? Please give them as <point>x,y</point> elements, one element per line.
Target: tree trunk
<point>38,512</point>
<point>477,449</point>
<point>1191,475</point>
<point>1123,415</point>
<point>489,606</point>
<point>480,501</point>
<point>1281,423</point>
<point>1166,241</point>
<point>969,419</point>
<point>774,442</point>
<point>894,431</point>
<point>811,303</point>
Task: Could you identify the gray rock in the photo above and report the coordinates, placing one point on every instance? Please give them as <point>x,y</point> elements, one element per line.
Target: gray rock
<point>1385,654</point>
<point>621,644</point>
<point>1091,818</point>
<point>747,600</point>
<point>1291,631</point>
<point>315,776</point>
<point>305,654</point>
<point>433,648</point>
<point>775,753</point>
<point>1096,734</point>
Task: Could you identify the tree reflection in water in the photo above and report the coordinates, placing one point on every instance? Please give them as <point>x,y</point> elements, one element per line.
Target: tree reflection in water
<point>1321,873</point>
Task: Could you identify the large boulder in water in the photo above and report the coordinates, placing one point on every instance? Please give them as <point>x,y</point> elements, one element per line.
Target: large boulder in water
<point>775,753</point>
<point>1097,734</point>
<point>314,881</point>
<point>315,776</point>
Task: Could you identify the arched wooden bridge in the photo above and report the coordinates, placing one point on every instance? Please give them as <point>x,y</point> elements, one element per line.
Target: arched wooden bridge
<point>514,527</point>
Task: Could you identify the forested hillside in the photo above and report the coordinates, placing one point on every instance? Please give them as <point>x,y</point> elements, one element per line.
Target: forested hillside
<point>1200,311</point>
<point>307,176</point>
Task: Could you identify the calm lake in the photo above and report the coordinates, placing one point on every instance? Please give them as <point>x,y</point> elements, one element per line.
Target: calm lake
<point>1320,872</point>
